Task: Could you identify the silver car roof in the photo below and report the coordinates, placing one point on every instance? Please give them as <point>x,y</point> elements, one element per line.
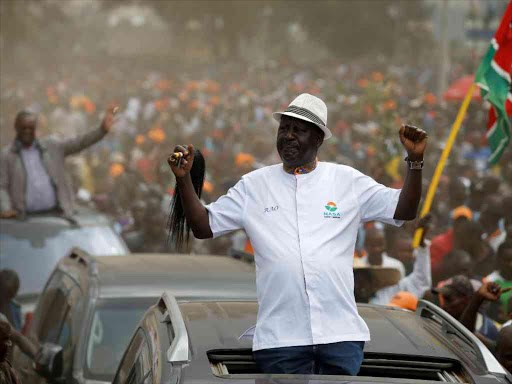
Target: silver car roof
<point>186,276</point>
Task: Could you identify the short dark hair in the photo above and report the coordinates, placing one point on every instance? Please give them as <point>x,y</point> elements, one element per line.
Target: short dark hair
<point>23,114</point>
<point>7,276</point>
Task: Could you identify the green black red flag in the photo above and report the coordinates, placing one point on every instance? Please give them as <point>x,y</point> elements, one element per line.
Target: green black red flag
<point>493,78</point>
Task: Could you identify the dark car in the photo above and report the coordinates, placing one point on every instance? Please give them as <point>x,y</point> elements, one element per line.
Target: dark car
<point>209,341</point>
<point>91,305</point>
<point>34,245</point>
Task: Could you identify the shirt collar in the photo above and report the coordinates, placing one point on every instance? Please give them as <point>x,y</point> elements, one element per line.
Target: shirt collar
<point>18,146</point>
<point>303,169</point>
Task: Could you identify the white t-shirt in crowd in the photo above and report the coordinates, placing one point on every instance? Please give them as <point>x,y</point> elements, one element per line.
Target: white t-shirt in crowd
<point>494,276</point>
<point>387,262</point>
<point>417,282</point>
<point>303,231</point>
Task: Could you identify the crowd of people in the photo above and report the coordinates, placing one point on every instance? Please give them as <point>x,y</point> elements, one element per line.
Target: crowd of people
<point>226,112</point>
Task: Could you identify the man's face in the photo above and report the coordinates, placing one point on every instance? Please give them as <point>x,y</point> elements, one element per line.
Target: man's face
<point>297,141</point>
<point>375,243</point>
<point>403,251</point>
<point>454,304</point>
<point>26,130</point>
<point>5,340</point>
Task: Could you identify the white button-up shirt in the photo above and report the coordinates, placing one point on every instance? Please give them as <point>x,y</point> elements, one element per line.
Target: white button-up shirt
<point>40,192</point>
<point>303,230</point>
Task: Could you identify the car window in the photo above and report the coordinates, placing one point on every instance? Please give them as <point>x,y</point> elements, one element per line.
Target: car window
<point>43,246</point>
<point>71,323</point>
<point>136,365</point>
<point>51,303</point>
<point>145,358</point>
<point>113,323</point>
<point>57,317</point>
<point>142,365</point>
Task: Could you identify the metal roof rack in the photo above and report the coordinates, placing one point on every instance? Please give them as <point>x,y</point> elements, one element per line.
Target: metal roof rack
<point>449,324</point>
<point>83,257</point>
<point>179,351</point>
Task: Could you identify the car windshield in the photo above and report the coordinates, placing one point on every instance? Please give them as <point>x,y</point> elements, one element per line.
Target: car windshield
<point>112,327</point>
<point>41,247</point>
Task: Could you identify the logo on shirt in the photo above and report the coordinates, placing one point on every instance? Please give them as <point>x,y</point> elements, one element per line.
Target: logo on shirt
<point>330,211</point>
<point>331,207</point>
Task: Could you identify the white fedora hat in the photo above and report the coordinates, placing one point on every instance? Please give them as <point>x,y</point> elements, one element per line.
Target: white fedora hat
<point>309,108</point>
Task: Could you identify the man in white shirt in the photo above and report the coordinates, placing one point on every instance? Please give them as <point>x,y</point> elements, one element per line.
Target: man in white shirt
<point>375,244</point>
<point>302,218</point>
<point>417,282</point>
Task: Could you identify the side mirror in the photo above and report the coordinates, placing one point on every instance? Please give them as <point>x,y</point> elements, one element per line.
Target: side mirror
<point>49,362</point>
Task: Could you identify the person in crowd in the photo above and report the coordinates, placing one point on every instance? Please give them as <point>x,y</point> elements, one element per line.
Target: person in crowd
<point>455,296</point>
<point>401,249</point>
<point>9,286</point>
<point>457,262</point>
<point>444,243</point>
<point>375,255</point>
<point>302,218</point>
<point>457,193</point>
<point>503,273</point>
<point>368,279</point>
<point>490,216</point>
<point>22,342</point>
<point>502,345</point>
<point>417,282</point>
<point>507,219</point>
<point>33,176</point>
<point>476,197</point>
<point>467,236</point>
<point>491,184</point>
<point>508,313</point>
<point>7,373</point>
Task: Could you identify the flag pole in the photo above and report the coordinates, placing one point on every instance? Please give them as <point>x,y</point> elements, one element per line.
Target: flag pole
<point>442,161</point>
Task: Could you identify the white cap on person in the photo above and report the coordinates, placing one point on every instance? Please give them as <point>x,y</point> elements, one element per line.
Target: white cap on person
<point>309,108</point>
